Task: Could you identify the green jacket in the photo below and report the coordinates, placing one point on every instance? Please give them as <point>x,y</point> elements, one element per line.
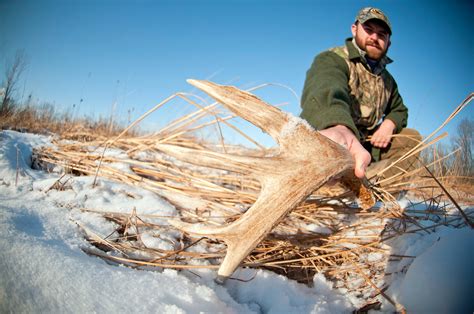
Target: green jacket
<point>340,88</point>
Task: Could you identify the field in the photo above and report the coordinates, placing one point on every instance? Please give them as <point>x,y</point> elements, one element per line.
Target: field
<point>95,191</point>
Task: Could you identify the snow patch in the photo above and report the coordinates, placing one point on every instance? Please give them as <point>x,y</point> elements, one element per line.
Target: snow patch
<point>290,127</point>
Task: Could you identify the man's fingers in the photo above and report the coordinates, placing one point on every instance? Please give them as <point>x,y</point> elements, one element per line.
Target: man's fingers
<point>382,137</point>
<point>361,163</point>
<point>361,157</point>
<point>380,141</point>
<point>343,136</point>
<point>380,144</point>
<point>359,171</point>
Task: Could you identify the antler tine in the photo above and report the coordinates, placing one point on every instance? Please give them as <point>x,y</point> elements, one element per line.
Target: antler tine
<point>282,189</point>
<point>247,106</point>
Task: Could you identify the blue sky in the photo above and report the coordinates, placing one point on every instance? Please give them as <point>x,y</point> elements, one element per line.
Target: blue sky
<point>136,53</point>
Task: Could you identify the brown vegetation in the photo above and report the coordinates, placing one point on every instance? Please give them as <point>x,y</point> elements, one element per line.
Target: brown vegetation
<point>45,119</point>
<point>324,234</point>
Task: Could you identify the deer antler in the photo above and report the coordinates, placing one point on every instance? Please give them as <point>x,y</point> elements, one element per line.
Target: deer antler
<point>306,161</point>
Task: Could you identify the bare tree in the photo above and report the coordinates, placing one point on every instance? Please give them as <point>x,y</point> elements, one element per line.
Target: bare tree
<point>465,139</point>
<point>12,76</point>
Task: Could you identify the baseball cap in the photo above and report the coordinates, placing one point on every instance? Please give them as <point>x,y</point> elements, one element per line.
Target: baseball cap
<point>370,13</point>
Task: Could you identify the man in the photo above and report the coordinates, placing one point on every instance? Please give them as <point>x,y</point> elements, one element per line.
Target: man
<point>352,99</point>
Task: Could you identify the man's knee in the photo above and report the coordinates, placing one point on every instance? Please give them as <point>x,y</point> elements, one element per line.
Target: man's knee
<point>401,144</point>
<point>412,133</point>
<point>409,138</point>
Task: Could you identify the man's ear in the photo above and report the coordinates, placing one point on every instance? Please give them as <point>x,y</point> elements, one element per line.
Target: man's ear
<point>389,43</point>
<point>354,29</point>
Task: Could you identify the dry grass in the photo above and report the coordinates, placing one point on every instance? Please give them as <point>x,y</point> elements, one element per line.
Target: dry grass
<point>327,234</point>
<point>45,119</point>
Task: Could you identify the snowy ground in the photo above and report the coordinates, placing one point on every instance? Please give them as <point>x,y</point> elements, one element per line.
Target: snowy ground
<point>43,269</point>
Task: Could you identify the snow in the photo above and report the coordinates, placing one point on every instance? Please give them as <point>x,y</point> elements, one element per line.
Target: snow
<point>440,279</point>
<point>44,269</point>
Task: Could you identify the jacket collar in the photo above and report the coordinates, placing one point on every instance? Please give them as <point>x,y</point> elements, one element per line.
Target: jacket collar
<point>356,53</point>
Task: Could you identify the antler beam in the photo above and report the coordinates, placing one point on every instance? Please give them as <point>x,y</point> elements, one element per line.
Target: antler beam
<point>305,162</point>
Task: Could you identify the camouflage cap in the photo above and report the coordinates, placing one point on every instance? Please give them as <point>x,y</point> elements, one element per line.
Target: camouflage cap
<point>373,13</point>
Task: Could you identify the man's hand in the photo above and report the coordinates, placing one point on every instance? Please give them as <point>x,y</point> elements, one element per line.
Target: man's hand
<point>344,136</point>
<point>382,137</point>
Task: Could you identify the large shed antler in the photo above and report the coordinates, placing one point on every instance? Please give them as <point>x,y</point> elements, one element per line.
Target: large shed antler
<point>306,161</point>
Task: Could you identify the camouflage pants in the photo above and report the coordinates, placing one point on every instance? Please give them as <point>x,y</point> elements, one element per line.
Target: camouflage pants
<point>401,144</point>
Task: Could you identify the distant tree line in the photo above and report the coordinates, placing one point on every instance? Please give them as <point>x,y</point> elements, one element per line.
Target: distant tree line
<point>454,159</point>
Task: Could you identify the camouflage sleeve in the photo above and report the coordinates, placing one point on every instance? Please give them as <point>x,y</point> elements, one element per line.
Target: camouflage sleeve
<point>325,100</point>
<point>396,110</point>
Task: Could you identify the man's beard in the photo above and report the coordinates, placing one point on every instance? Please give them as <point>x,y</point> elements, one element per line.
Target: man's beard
<point>376,53</point>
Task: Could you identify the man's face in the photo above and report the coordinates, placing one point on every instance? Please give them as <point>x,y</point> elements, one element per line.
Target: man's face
<point>372,37</point>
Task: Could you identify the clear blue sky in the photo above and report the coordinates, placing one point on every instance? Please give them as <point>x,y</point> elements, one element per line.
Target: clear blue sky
<point>136,53</point>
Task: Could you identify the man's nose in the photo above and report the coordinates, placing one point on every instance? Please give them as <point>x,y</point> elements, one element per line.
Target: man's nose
<point>374,36</point>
